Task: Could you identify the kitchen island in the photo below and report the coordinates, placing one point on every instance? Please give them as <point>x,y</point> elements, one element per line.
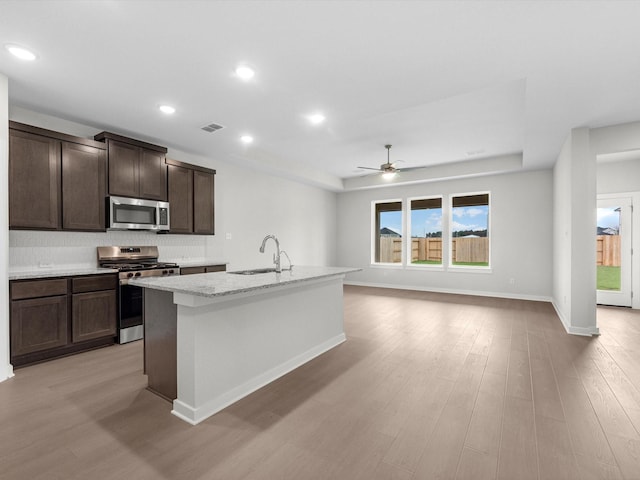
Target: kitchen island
<point>213,338</point>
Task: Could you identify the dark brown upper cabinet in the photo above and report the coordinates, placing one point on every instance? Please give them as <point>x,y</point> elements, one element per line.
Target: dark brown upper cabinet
<point>136,169</point>
<point>180,186</point>
<point>84,180</point>
<point>56,181</point>
<point>203,202</point>
<point>34,181</point>
<point>191,198</point>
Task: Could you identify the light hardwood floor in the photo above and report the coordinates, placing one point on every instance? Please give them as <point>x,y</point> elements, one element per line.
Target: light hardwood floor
<point>427,386</point>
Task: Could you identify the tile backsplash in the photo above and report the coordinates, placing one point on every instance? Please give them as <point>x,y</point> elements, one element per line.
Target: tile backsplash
<point>37,249</point>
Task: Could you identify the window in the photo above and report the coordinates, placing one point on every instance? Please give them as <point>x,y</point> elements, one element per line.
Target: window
<point>425,225</point>
<point>387,232</point>
<point>470,230</point>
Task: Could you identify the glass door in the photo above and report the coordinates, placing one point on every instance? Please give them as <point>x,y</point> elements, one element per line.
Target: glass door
<point>613,252</point>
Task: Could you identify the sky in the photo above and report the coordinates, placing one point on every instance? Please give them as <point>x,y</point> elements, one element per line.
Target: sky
<point>430,220</point>
<point>426,221</point>
<point>470,218</point>
<point>608,217</point>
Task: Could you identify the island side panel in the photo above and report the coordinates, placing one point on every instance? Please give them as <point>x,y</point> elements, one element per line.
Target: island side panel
<point>229,349</point>
<point>160,315</point>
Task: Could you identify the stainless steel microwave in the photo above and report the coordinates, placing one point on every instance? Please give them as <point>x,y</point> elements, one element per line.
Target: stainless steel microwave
<point>124,213</point>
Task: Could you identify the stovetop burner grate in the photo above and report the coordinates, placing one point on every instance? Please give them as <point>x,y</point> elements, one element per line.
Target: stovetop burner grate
<point>125,259</point>
<point>137,266</point>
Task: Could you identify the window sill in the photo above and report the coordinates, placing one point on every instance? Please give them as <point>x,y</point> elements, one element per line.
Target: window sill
<point>434,268</point>
<point>395,266</point>
<point>466,269</point>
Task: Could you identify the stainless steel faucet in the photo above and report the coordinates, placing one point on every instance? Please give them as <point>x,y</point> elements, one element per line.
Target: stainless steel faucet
<point>282,252</point>
<point>276,256</point>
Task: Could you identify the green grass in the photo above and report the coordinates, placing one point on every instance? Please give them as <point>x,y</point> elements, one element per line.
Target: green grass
<point>608,278</point>
<point>426,262</point>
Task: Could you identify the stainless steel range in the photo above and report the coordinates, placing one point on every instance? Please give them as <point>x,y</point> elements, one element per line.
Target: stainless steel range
<point>133,262</point>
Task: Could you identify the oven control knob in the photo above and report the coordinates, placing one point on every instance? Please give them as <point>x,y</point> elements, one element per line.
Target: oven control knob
<point>164,272</point>
<point>171,272</point>
<point>137,274</point>
<point>129,275</point>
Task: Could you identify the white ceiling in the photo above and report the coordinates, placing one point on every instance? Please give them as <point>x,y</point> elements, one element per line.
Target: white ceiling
<point>440,81</point>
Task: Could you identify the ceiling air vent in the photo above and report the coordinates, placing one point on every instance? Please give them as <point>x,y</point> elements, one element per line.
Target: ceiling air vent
<point>212,127</point>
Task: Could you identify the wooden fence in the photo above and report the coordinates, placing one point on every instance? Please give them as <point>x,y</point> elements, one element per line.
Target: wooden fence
<point>473,250</point>
<point>426,249</point>
<point>390,250</point>
<point>477,249</point>
<point>608,250</point>
<point>463,249</point>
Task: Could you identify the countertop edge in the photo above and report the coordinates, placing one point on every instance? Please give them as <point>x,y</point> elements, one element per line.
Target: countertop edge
<point>153,283</point>
<point>52,273</point>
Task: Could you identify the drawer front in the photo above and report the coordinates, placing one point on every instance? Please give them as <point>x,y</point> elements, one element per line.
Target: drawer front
<point>93,283</point>
<point>38,288</point>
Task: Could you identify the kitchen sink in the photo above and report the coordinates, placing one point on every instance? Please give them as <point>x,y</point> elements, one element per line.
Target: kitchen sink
<point>255,271</point>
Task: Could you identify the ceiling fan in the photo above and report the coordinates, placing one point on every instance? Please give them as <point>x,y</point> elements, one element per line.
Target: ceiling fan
<point>388,169</point>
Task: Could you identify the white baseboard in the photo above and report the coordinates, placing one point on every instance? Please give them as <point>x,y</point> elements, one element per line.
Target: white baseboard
<point>585,332</point>
<point>8,373</point>
<point>196,415</point>
<point>514,296</point>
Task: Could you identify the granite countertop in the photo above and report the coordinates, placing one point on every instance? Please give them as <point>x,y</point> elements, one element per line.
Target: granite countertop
<point>225,283</point>
<point>57,272</point>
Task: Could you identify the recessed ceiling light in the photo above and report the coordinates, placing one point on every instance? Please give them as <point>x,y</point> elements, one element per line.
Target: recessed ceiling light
<point>244,72</point>
<point>316,118</point>
<point>168,109</point>
<point>246,139</point>
<point>21,52</point>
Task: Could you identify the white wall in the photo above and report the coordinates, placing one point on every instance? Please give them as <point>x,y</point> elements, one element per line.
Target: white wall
<point>5,367</point>
<point>562,234</point>
<point>250,205</point>
<point>617,177</point>
<point>520,231</point>
<point>574,216</point>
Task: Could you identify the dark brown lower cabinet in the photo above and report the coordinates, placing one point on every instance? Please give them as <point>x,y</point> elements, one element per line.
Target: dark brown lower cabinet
<point>54,317</point>
<point>93,315</point>
<point>38,324</point>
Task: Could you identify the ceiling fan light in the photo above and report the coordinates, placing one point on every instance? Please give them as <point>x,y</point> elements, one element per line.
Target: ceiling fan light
<point>388,175</point>
<point>21,52</point>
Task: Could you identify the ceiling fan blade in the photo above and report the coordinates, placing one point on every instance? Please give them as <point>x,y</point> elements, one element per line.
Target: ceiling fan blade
<point>409,169</point>
<point>368,168</point>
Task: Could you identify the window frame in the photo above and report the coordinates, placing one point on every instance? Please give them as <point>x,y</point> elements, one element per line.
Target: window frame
<point>409,238</point>
<point>469,268</point>
<point>375,235</point>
